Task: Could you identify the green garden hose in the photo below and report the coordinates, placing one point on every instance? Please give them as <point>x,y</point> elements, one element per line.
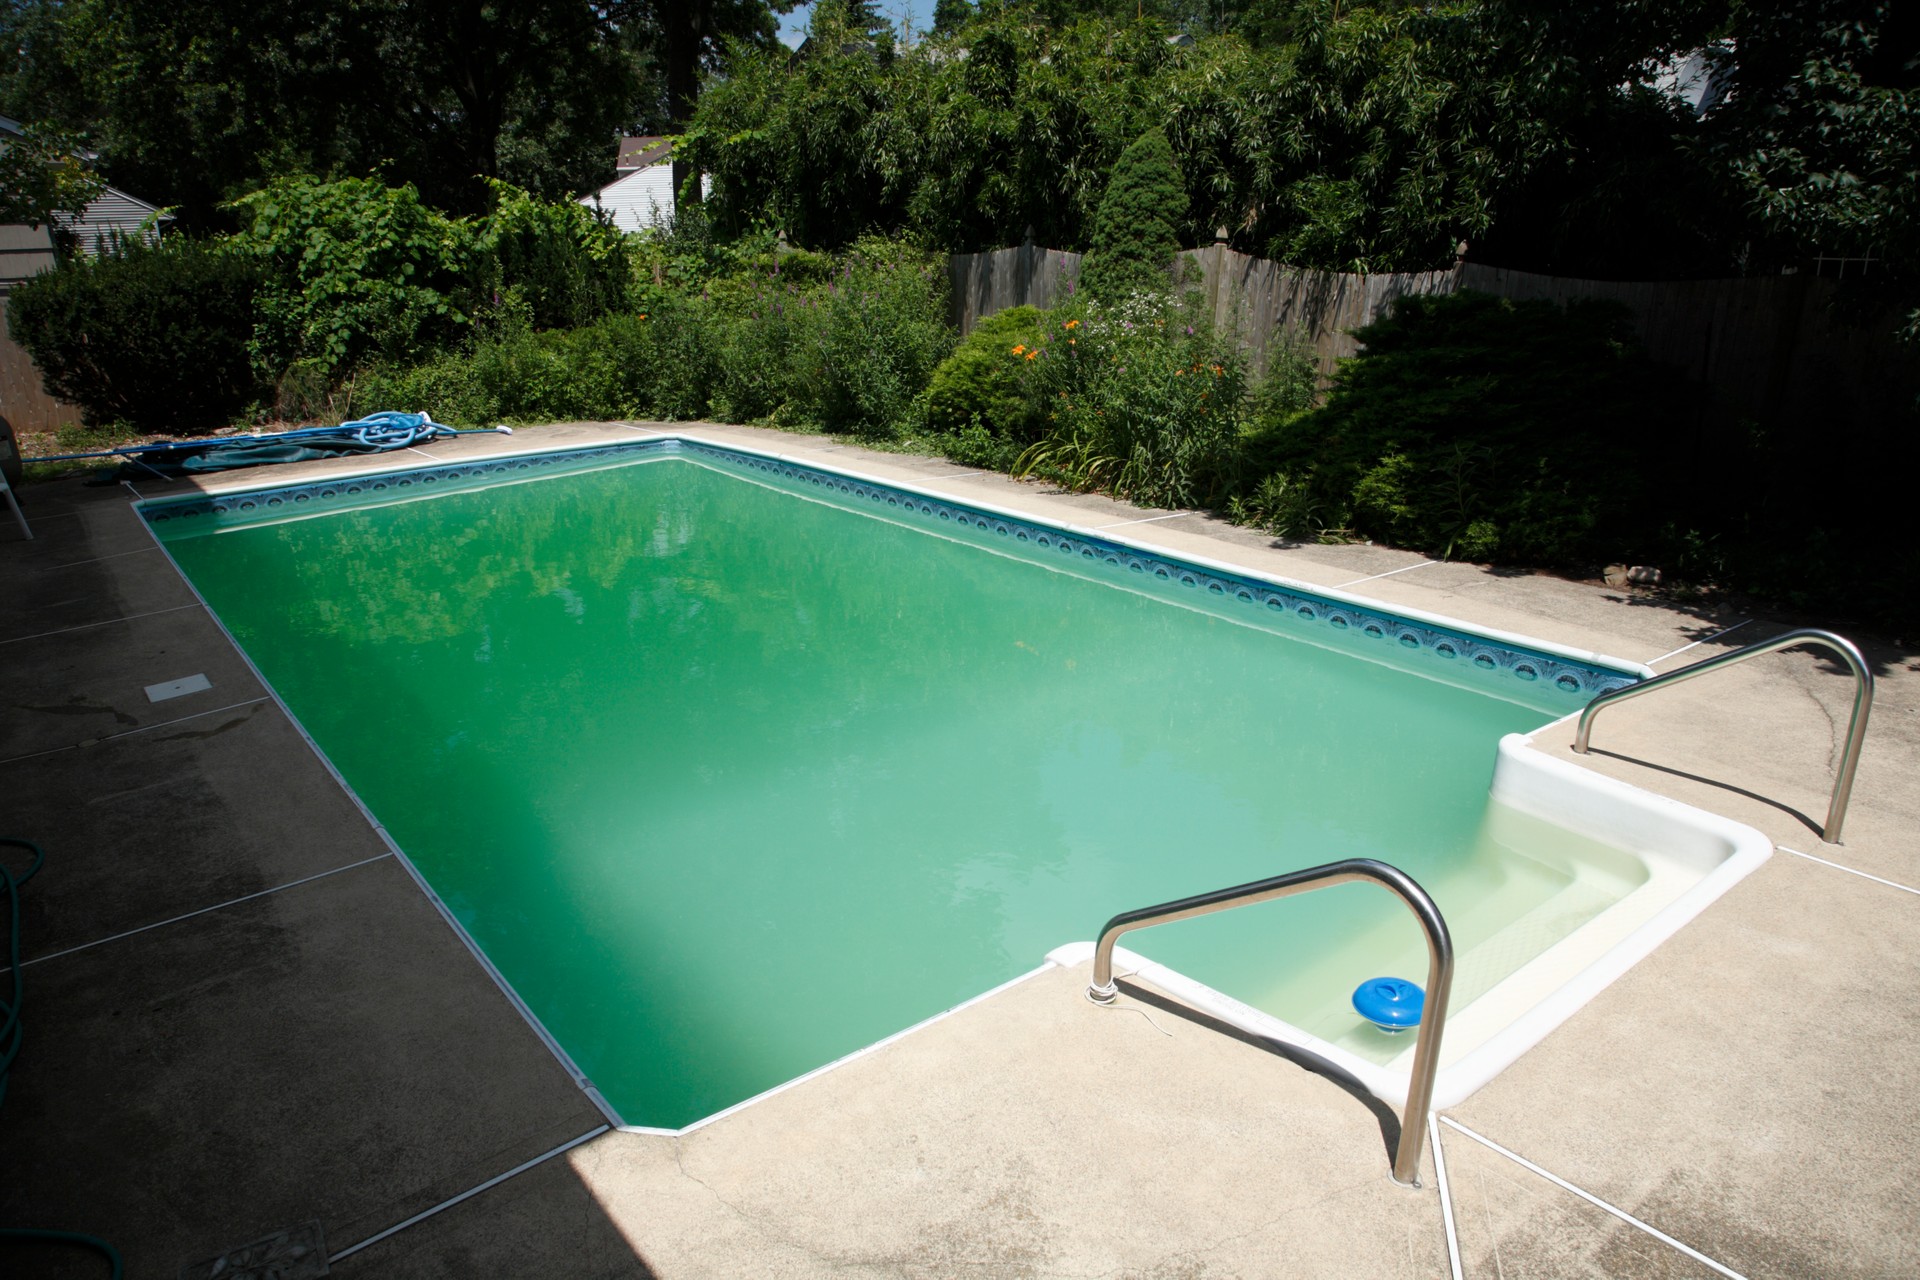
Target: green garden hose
<point>10,1042</point>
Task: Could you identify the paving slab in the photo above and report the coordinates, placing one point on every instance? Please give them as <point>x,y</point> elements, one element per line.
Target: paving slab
<point>58,498</point>
<point>88,578</point>
<point>544,1222</point>
<point>1035,1134</point>
<point>330,1051</point>
<point>1513,1222</point>
<point>85,685</point>
<point>147,827</point>
<point>1748,1089</point>
<point>93,531</point>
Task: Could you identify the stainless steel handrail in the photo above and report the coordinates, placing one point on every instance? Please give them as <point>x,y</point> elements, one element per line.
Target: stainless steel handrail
<point>1856,728</point>
<point>1433,1014</point>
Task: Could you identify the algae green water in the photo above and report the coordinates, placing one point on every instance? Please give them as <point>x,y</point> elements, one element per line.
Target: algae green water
<point>729,781</point>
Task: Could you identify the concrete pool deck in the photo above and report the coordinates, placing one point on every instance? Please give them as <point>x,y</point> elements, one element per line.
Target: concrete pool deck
<point>242,1016</point>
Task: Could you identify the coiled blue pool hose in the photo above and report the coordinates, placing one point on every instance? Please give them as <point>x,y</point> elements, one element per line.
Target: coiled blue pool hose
<point>10,1035</point>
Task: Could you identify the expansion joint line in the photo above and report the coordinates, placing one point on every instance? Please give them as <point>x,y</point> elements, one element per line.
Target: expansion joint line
<point>218,906</point>
<point>1446,1194</point>
<point>468,1194</point>
<point>1697,643</point>
<point>1891,884</point>
<point>1405,568</point>
<point>1594,1200</point>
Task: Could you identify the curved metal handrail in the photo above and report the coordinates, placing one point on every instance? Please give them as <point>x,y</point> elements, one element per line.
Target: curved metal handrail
<point>1433,1014</point>
<point>1856,728</point>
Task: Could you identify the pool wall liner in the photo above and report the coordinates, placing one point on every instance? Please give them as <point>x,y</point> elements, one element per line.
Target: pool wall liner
<point>1570,796</point>
<point>1572,672</point>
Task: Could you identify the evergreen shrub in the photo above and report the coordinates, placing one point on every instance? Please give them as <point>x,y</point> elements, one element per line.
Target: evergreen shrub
<point>155,337</point>
<point>986,382</point>
<point>1137,229</point>
<point>1484,428</point>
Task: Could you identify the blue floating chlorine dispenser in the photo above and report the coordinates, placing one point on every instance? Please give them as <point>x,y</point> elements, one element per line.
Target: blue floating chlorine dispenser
<point>1391,1004</point>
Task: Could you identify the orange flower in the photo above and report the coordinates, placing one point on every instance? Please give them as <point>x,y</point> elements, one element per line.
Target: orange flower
<point>1032,354</point>
<point>1071,324</point>
<point>1020,350</point>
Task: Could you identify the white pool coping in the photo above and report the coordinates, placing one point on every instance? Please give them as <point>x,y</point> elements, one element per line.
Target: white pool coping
<point>1704,855</point>
<point>1482,1038</point>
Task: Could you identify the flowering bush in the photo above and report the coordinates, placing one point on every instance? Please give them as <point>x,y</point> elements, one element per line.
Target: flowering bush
<point>1140,398</point>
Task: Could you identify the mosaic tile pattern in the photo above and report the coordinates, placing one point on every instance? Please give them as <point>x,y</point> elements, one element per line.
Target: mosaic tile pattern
<point>1575,680</point>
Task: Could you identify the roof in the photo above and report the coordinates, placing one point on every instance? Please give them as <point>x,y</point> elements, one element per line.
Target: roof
<point>113,212</point>
<point>642,151</point>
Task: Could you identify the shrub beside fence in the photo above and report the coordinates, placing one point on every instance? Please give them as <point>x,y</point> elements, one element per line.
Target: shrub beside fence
<point>1788,350</point>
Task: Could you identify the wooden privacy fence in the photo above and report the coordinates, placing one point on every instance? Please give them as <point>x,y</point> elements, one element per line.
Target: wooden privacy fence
<point>1261,301</point>
<point>1791,351</point>
<point>24,403</point>
<point>1779,349</point>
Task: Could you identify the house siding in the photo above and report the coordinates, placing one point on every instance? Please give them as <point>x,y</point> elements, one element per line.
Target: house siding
<point>638,201</point>
<point>114,213</point>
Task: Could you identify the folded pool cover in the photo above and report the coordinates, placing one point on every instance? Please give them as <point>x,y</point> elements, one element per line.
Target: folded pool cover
<point>375,433</point>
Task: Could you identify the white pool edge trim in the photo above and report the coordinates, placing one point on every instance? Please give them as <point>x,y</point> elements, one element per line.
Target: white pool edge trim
<point>1614,812</point>
<point>841,1061</point>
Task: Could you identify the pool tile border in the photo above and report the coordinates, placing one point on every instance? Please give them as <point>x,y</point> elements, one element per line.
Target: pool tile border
<point>1490,659</point>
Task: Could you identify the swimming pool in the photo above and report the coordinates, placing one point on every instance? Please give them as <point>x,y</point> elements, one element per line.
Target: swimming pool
<point>730,766</point>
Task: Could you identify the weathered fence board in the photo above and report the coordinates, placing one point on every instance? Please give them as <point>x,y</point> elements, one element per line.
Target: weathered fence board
<point>1261,301</point>
<point>984,283</point>
<point>1792,351</point>
<point>1264,301</point>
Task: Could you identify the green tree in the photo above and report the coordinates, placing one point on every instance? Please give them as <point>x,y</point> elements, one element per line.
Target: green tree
<point>43,173</point>
<point>192,103</point>
<point>951,15</point>
<point>690,38</point>
<point>1137,230</point>
<point>350,270</point>
<point>1820,136</point>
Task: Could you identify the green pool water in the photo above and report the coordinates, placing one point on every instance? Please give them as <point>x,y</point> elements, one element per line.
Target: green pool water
<point>729,780</point>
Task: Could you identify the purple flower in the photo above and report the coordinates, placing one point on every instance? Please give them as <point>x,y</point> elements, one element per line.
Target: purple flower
<point>1189,331</point>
